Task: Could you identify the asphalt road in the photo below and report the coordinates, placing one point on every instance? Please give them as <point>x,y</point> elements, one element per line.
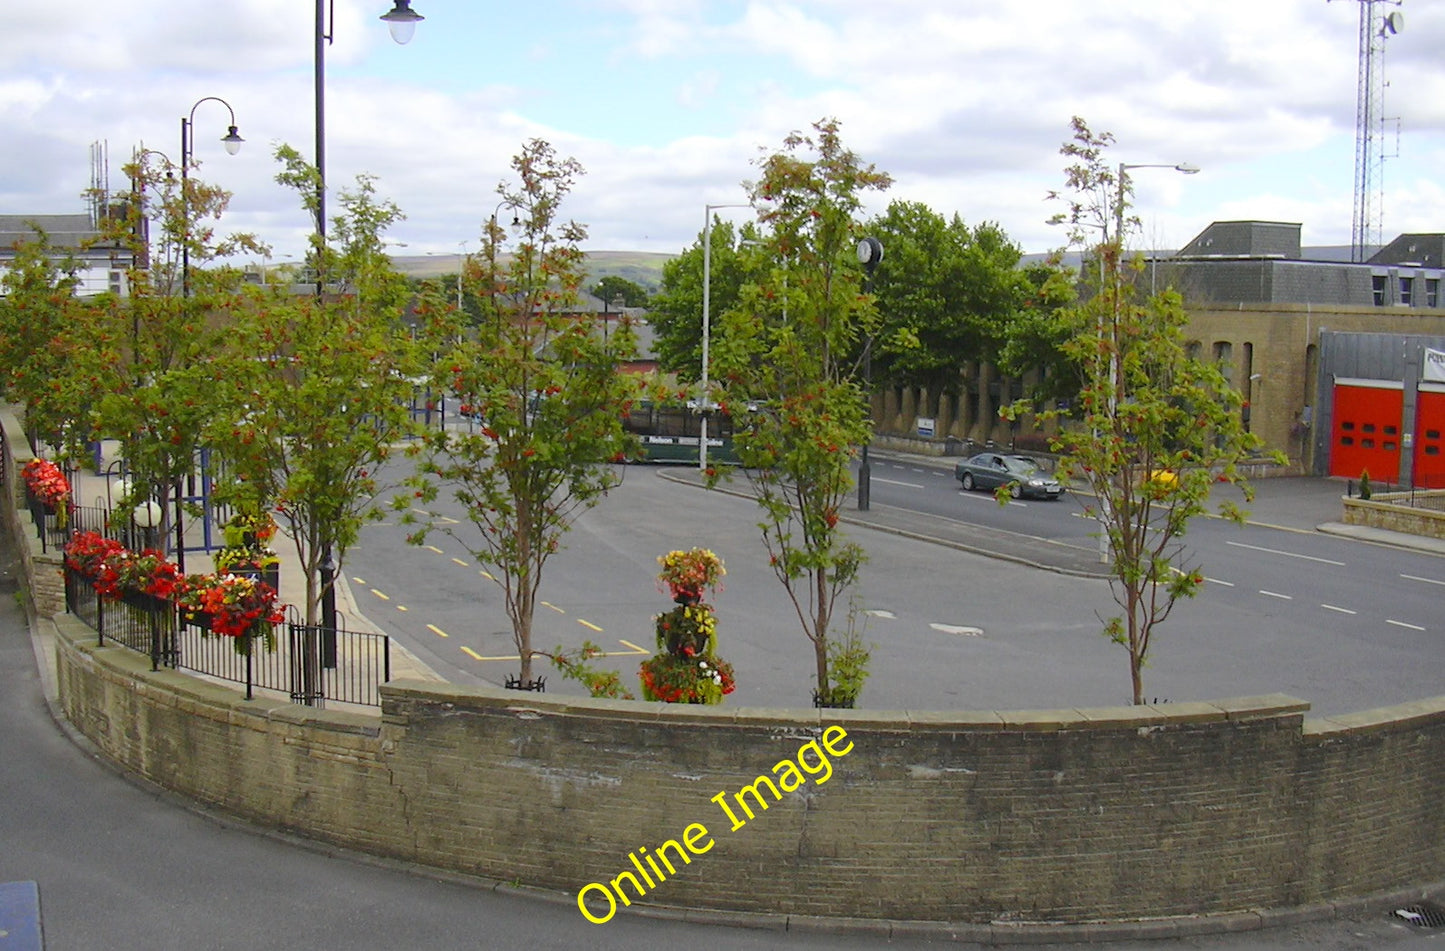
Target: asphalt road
<point>1342,624</point>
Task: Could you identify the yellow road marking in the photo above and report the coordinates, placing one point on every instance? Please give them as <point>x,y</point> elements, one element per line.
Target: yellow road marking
<point>401,607</point>
<point>358,580</point>
<point>380,595</point>
<point>434,548</point>
<point>548,604</point>
<point>589,625</point>
<point>487,575</point>
<point>462,563</point>
<point>436,630</point>
<point>635,649</point>
<point>471,653</point>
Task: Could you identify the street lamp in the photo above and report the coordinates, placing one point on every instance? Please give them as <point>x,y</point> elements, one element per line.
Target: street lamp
<point>232,141</point>
<point>401,21</point>
<point>707,323</point>
<point>870,252</point>
<point>1122,183</point>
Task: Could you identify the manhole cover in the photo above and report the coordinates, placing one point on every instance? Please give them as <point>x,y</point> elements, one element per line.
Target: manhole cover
<point>1423,915</point>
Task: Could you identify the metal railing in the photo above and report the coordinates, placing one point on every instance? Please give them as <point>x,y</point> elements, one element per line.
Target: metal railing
<point>308,663</point>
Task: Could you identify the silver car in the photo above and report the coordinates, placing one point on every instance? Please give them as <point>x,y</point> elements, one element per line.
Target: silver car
<point>1022,475</point>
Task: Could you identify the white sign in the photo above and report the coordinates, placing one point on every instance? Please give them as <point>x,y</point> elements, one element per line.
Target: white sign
<point>1434,365</point>
<point>924,424</point>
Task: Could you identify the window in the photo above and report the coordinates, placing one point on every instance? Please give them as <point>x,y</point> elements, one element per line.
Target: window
<point>1432,292</point>
<point>1390,430</point>
<point>1432,434</point>
<point>1377,285</point>
<point>1407,286</point>
<point>1347,440</point>
<point>1368,427</point>
<point>1350,426</point>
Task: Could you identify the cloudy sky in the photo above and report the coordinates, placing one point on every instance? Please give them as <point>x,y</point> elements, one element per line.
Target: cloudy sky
<point>667,103</point>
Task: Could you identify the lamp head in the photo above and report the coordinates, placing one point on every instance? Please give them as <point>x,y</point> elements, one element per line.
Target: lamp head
<point>232,140</point>
<point>1188,168</point>
<point>402,21</point>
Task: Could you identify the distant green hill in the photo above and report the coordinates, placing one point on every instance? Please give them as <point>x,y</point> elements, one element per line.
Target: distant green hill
<point>640,267</point>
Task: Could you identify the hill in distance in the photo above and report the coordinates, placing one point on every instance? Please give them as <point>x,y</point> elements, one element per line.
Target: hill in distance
<point>640,267</point>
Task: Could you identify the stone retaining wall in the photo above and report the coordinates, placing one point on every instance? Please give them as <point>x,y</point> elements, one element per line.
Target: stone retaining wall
<point>1018,816</point>
<point>1392,511</point>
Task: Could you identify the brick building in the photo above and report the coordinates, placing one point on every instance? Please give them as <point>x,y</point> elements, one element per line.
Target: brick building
<point>1320,347</point>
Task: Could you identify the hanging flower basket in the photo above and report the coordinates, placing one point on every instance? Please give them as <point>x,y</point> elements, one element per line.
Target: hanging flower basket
<point>48,486</point>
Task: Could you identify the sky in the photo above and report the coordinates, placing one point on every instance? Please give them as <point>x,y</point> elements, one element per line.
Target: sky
<point>668,104</point>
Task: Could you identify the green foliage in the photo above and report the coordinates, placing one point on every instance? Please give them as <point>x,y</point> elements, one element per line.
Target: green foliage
<point>620,292</point>
<point>1158,431</point>
<point>675,312</point>
<point>546,386</point>
<point>39,346</point>
<point>575,665</point>
<point>792,344</point>
<point>848,657</point>
<point>315,392</point>
<point>947,294</point>
<point>1365,490</point>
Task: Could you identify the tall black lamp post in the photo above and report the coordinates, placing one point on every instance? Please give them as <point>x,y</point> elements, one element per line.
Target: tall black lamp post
<point>870,252</point>
<point>401,20</point>
<point>232,141</point>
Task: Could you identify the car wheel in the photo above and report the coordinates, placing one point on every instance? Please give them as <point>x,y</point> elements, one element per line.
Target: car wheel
<point>1015,490</point>
<point>967,481</point>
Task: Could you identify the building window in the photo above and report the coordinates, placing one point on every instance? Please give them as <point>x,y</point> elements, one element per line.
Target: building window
<point>1407,286</point>
<point>1432,292</point>
<point>1377,285</point>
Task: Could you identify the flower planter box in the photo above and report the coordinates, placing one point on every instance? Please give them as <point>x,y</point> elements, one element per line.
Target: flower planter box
<point>144,602</point>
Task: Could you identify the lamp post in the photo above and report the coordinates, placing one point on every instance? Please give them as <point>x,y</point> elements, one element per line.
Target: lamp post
<point>232,141</point>
<point>705,403</point>
<point>401,20</point>
<point>146,516</point>
<point>870,252</point>
<point>1122,185</point>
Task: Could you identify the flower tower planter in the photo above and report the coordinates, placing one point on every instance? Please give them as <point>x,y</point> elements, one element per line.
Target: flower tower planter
<point>686,668</point>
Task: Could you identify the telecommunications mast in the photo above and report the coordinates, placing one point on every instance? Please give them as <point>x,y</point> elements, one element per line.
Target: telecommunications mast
<point>1366,230</point>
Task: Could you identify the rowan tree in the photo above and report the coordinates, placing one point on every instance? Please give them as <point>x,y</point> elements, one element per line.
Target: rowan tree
<point>805,372</point>
<point>319,388</point>
<point>1157,433</point>
<point>542,378</point>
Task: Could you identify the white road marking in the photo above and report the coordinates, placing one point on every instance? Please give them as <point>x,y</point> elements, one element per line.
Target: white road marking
<point>1287,554</point>
<point>955,629</point>
<point>1426,580</point>
<point>873,612</point>
<point>908,485</point>
<point>1412,627</point>
<point>1331,607</point>
<point>1275,594</point>
<point>1227,584</point>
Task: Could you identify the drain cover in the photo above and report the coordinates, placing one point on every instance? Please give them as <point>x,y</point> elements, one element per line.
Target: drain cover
<point>1423,915</point>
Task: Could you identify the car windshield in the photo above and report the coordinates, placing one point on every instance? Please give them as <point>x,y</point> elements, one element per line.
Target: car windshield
<point>1023,467</point>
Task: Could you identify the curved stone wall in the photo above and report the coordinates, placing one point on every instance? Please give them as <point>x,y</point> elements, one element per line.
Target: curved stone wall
<point>1062,816</point>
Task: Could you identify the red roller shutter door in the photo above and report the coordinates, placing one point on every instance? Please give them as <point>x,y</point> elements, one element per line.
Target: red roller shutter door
<point>1366,429</point>
<point>1429,430</point>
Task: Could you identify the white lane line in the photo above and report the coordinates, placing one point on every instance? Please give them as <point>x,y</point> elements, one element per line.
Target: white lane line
<point>1426,580</point>
<point>1412,627</point>
<point>909,485</point>
<point>1287,554</point>
<point>1227,584</point>
<point>1275,594</point>
<point>1331,607</point>
<point>990,498</point>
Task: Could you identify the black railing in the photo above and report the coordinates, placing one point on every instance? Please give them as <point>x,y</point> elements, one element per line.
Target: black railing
<point>307,663</point>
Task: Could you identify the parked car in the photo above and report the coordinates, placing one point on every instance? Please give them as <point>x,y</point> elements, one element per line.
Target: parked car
<point>1022,475</point>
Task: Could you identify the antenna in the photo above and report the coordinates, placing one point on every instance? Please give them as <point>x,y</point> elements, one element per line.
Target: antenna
<point>99,182</point>
<point>1367,227</point>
